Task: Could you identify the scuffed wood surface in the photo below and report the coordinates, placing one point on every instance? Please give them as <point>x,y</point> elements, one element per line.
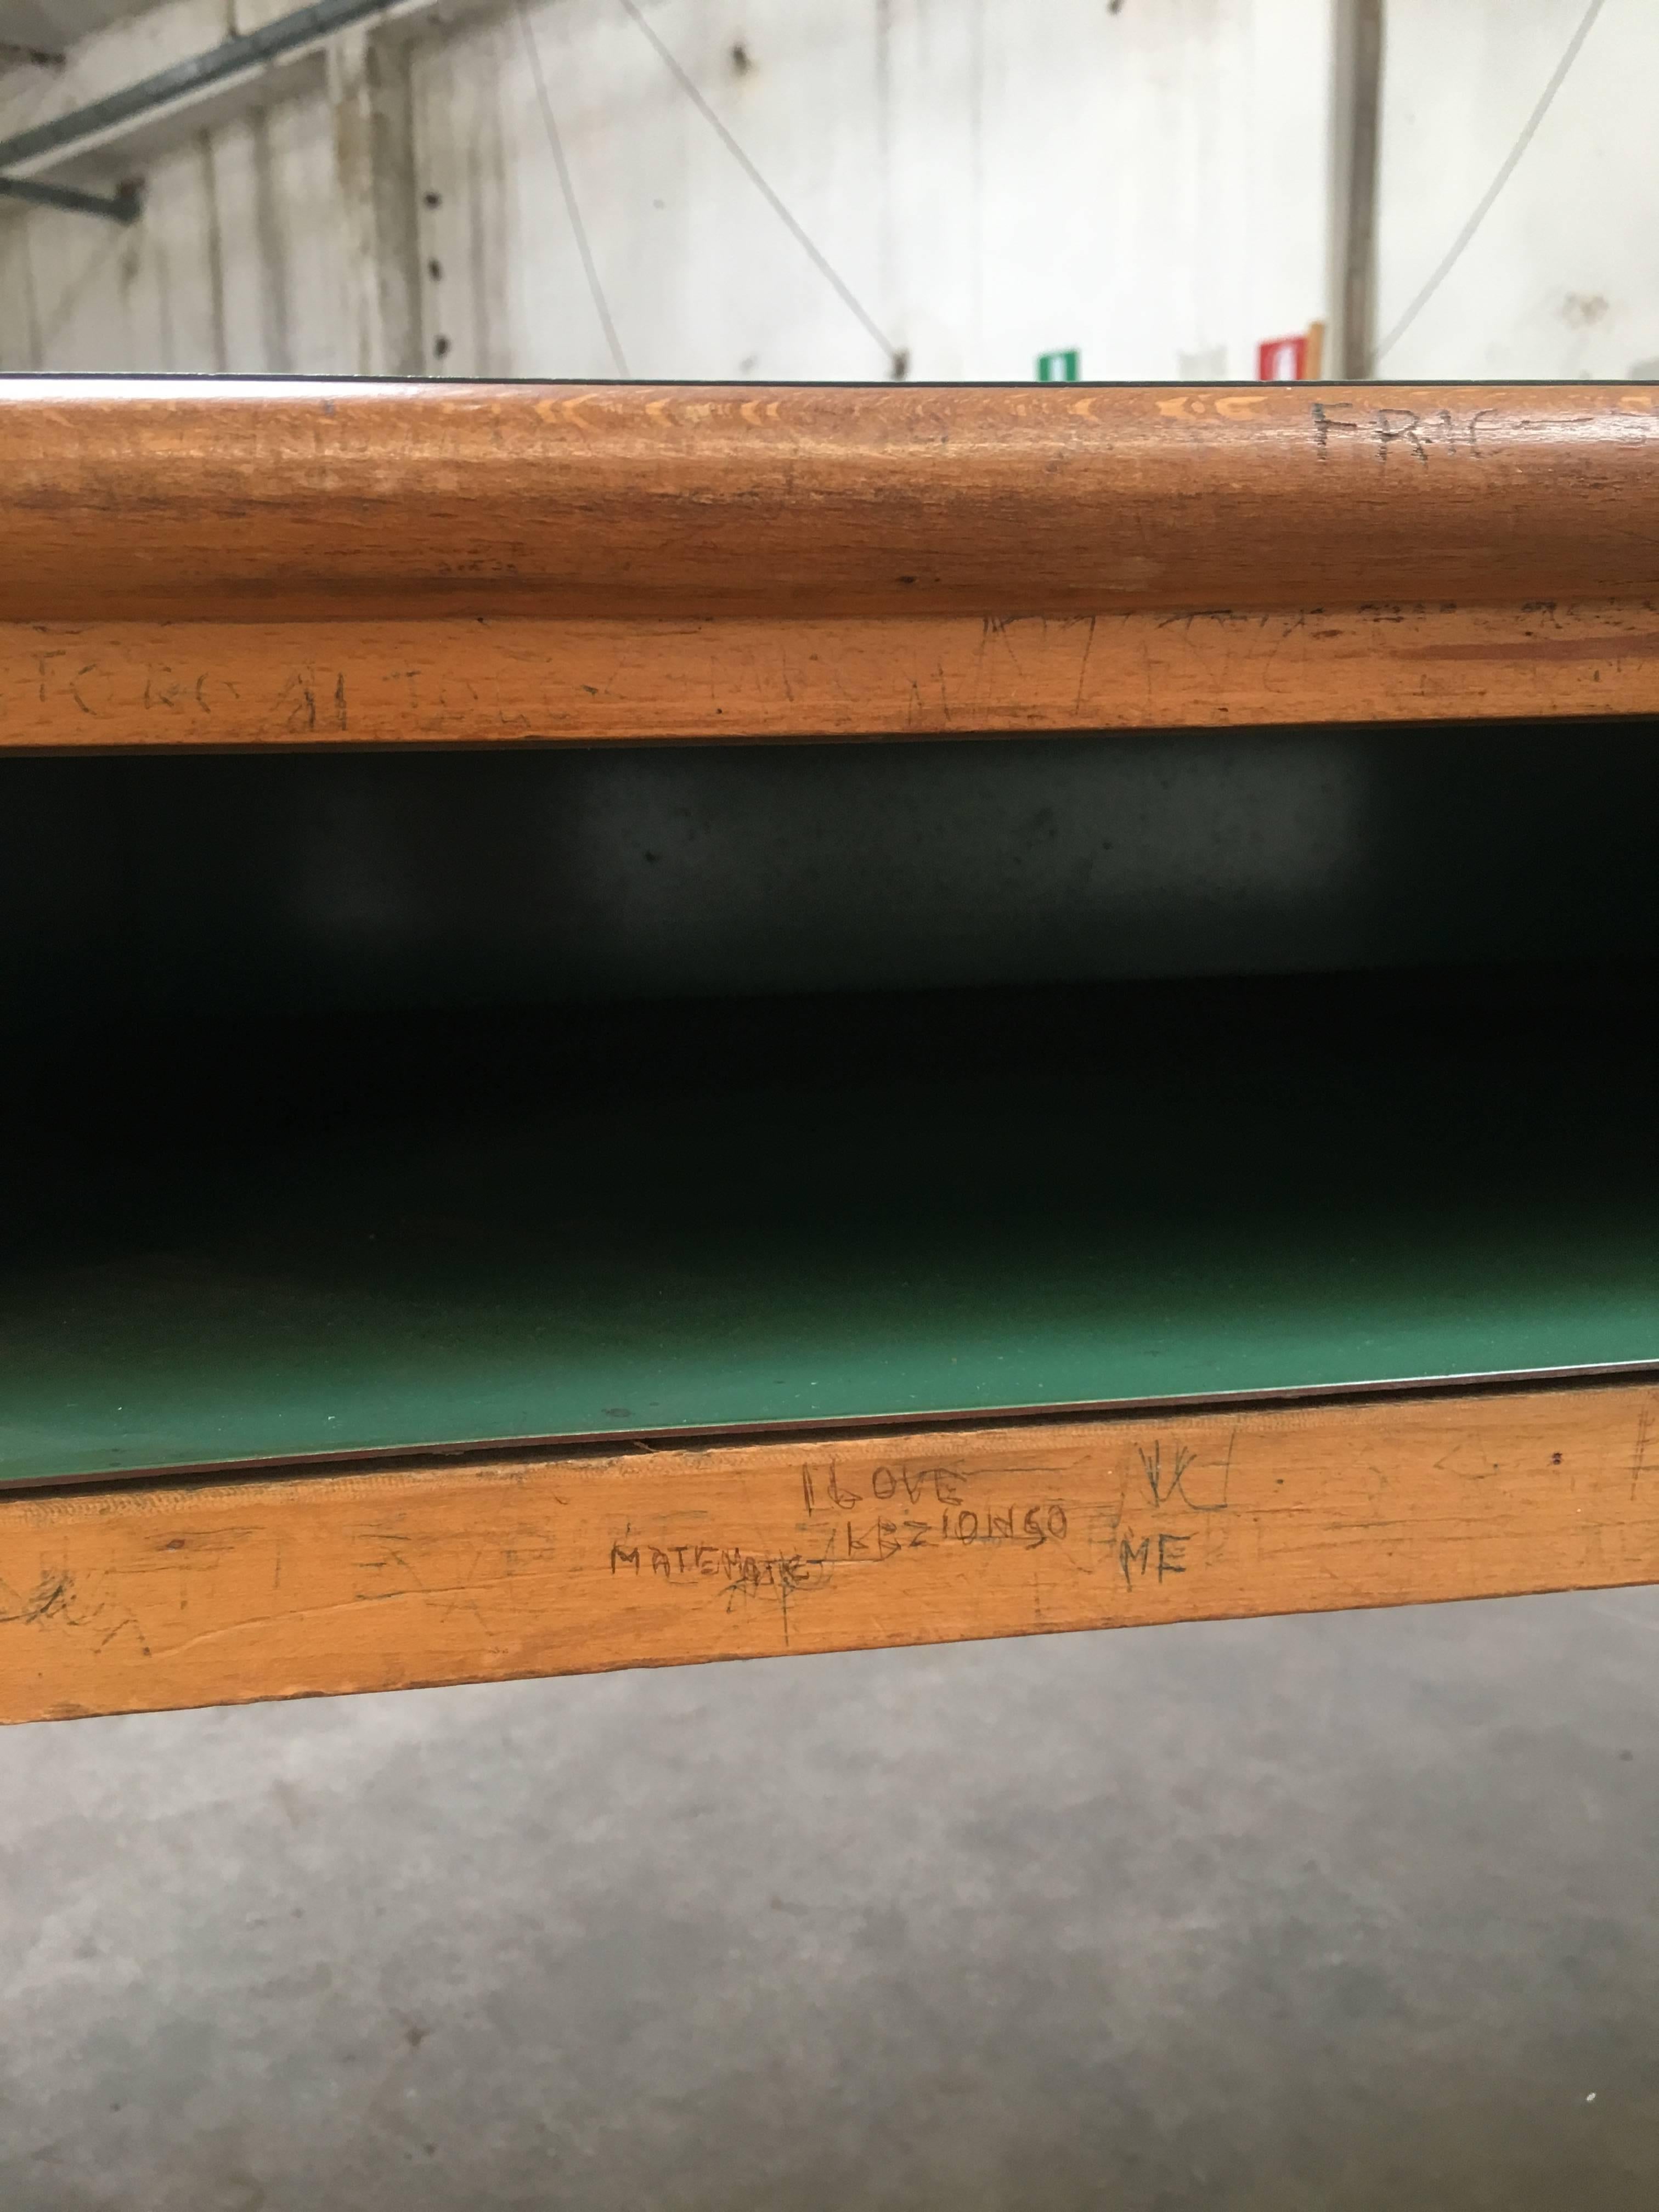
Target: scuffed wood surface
<point>111,685</point>
<point>160,1596</point>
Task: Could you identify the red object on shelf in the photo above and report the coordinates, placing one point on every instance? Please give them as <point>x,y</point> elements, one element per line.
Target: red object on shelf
<point>1282,360</point>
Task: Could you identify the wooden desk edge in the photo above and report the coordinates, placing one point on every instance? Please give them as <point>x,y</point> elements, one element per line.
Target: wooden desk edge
<point>147,1596</point>
<point>311,499</point>
<point>216,685</point>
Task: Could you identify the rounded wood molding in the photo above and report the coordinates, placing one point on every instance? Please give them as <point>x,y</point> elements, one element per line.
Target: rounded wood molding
<point>222,499</point>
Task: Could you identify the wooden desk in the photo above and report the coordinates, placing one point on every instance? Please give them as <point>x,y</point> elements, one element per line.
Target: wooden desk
<point>440,1363</point>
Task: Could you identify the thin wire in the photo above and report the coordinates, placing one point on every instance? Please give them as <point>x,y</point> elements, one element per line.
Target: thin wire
<point>1529,133</point>
<point>569,190</point>
<point>687,86</point>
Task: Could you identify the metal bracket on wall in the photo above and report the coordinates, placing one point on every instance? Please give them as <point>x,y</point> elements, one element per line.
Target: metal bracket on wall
<point>124,204</point>
<point>83,129</point>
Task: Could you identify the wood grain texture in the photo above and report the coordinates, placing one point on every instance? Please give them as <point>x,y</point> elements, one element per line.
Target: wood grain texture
<point>113,685</point>
<point>127,499</point>
<point>172,1596</point>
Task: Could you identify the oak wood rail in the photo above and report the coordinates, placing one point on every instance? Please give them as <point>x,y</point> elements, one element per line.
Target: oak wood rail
<point>227,563</point>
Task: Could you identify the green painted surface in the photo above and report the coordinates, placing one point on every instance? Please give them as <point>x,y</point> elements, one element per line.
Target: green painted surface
<point>1170,1225</point>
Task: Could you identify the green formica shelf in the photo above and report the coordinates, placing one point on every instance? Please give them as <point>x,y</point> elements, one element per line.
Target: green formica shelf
<point>1173,1223</point>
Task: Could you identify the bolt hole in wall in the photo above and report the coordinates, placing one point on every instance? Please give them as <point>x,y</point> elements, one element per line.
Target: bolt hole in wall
<point>824,191</point>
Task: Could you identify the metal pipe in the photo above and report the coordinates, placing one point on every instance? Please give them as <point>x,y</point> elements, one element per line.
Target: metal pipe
<point>124,205</point>
<point>236,56</point>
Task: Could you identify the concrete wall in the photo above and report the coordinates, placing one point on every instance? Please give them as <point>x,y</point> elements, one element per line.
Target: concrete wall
<point>1562,278</point>
<point>991,179</point>
<point>237,262</point>
<point>1145,180</point>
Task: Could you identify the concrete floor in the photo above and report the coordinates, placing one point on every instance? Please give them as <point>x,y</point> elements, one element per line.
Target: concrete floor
<point>1348,1912</point>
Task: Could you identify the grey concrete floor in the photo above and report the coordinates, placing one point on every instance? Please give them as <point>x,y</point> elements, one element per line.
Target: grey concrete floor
<point>1356,1912</point>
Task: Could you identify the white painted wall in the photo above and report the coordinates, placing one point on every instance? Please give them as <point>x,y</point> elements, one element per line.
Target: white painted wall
<point>1562,279</point>
<point>1148,182</point>
<point>992,178</point>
